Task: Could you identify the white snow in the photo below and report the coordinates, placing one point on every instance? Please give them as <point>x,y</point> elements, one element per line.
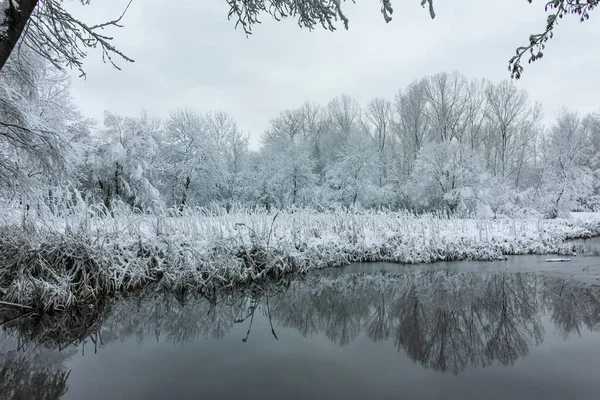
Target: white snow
<point>586,216</point>
<point>201,248</point>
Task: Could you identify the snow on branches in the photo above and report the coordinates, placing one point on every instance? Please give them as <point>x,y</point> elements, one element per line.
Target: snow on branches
<point>309,12</point>
<point>558,9</point>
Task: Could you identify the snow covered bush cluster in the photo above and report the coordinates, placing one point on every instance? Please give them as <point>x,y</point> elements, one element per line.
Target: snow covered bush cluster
<point>444,143</point>
<point>56,262</point>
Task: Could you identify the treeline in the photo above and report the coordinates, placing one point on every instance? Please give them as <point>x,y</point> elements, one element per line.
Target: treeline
<point>443,143</point>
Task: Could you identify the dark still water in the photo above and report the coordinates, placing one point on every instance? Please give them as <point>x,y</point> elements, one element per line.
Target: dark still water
<point>416,335</point>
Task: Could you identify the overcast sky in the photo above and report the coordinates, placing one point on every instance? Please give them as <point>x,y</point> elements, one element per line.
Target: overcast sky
<point>187,54</point>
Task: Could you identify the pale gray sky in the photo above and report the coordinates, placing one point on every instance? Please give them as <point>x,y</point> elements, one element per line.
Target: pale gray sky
<point>189,55</point>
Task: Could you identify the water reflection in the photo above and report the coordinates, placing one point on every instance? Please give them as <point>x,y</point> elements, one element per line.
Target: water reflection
<point>588,247</point>
<point>31,371</point>
<point>445,321</point>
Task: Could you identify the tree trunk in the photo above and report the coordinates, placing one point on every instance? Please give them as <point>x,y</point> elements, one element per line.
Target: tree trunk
<point>295,190</point>
<point>13,23</point>
<point>186,186</point>
<point>107,197</point>
<point>117,191</point>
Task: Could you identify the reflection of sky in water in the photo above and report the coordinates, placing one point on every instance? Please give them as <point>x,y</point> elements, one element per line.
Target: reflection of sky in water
<point>361,342</point>
<point>299,368</point>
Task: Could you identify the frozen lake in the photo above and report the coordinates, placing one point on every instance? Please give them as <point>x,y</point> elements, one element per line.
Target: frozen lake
<point>519,329</point>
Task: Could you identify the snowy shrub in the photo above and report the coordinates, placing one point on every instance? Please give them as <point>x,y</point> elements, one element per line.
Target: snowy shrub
<point>76,257</point>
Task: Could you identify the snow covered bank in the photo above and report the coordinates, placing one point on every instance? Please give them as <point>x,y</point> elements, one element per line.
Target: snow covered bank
<point>585,216</point>
<point>57,262</point>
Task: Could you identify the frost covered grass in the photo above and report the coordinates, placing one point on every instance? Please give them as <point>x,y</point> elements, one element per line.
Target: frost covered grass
<point>56,260</point>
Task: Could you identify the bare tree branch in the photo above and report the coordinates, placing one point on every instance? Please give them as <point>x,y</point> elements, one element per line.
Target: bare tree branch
<point>537,42</point>
<point>49,30</point>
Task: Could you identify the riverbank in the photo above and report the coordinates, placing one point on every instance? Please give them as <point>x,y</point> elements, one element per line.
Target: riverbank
<point>56,263</point>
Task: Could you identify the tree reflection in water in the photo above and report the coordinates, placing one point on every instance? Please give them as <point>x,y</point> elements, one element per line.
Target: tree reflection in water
<point>443,320</point>
<point>31,371</point>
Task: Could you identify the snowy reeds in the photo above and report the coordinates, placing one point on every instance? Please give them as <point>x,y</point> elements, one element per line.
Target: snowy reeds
<point>56,260</point>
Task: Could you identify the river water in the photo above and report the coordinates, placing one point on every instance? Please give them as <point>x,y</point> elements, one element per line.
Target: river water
<point>516,329</point>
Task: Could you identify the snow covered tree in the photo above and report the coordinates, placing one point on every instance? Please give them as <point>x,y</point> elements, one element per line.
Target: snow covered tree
<point>513,121</point>
<point>121,163</point>
<point>447,105</point>
<point>498,194</point>
<point>37,122</point>
<point>289,153</point>
<point>556,9</point>
<point>591,124</point>
<point>262,186</point>
<point>380,118</point>
<point>566,178</point>
<point>48,29</point>
<point>192,173</point>
<point>446,176</point>
<point>343,120</point>
<point>351,178</point>
<point>315,128</point>
<point>344,112</point>
<point>231,156</point>
<point>476,126</point>
<point>378,125</point>
<point>412,125</point>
